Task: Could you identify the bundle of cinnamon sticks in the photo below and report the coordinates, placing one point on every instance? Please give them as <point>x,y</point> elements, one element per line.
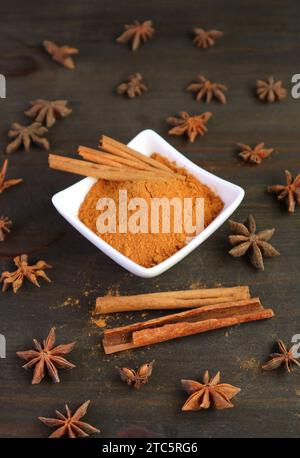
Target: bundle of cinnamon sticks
<point>215,308</point>
<point>114,161</point>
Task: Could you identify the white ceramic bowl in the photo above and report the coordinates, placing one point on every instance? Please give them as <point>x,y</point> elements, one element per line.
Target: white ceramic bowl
<point>68,201</point>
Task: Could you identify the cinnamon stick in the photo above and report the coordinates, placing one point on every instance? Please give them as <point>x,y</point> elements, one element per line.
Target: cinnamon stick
<point>113,146</point>
<point>194,321</point>
<point>170,299</point>
<point>90,169</point>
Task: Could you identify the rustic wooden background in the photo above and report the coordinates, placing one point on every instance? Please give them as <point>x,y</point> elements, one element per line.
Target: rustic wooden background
<point>260,38</point>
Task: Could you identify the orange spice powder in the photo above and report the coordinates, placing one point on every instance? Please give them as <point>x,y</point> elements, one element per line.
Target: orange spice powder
<point>149,249</point>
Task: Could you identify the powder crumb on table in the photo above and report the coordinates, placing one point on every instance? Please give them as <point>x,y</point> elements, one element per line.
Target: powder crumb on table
<point>153,248</point>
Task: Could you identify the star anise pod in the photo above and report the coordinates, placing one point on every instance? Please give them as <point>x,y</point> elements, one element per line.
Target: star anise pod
<point>205,89</point>
<point>133,87</point>
<point>136,32</point>
<point>245,239</point>
<point>136,378</point>
<point>5,184</point>
<point>69,424</point>
<point>46,356</point>
<point>290,192</point>
<point>254,155</point>
<point>285,357</point>
<point>61,54</point>
<point>25,135</point>
<point>270,90</point>
<point>23,271</point>
<point>5,224</point>
<point>206,38</point>
<point>191,125</point>
<point>46,111</point>
<point>210,392</point>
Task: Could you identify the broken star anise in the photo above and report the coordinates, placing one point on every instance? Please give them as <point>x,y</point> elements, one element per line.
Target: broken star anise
<point>206,38</point>
<point>23,271</point>
<point>285,357</point>
<point>254,155</point>
<point>210,392</point>
<point>136,32</point>
<point>46,356</point>
<point>69,424</point>
<point>5,184</point>
<point>191,125</point>
<point>136,378</point>
<point>133,87</point>
<point>270,90</point>
<point>5,224</point>
<point>245,239</point>
<point>61,54</point>
<point>25,135</point>
<point>205,89</point>
<point>290,192</point>
<point>47,111</point>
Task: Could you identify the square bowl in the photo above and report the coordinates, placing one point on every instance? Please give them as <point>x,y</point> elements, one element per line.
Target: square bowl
<point>68,201</point>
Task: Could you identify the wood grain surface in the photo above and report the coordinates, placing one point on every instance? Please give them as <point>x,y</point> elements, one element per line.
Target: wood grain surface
<point>260,38</point>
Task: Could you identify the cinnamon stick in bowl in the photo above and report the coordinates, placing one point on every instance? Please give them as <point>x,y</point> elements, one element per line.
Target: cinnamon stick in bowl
<point>170,300</point>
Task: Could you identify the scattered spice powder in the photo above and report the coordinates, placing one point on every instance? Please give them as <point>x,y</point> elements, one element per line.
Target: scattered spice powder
<point>153,247</point>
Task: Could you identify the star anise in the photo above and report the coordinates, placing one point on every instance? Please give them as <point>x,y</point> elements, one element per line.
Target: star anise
<point>205,89</point>
<point>290,192</point>
<point>46,111</point>
<point>136,378</point>
<point>270,90</point>
<point>254,155</point>
<point>5,184</point>
<point>133,87</point>
<point>46,356</point>
<point>191,125</point>
<point>25,135</point>
<point>210,392</point>
<point>206,38</point>
<point>23,271</point>
<point>69,424</point>
<point>61,54</point>
<point>136,32</point>
<point>5,224</point>
<point>285,357</point>
<point>245,239</point>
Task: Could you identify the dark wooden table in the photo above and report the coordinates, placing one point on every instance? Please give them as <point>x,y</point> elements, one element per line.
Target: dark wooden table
<point>260,38</point>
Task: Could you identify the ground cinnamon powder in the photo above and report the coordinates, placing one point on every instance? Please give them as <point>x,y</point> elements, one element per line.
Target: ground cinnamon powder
<point>149,249</point>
